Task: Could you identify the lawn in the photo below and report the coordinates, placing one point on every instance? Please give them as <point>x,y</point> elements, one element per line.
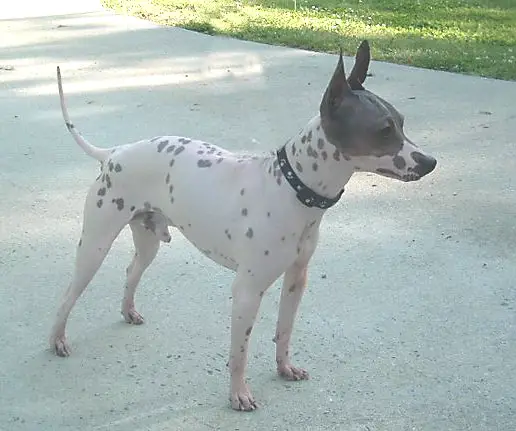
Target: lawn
<point>466,36</point>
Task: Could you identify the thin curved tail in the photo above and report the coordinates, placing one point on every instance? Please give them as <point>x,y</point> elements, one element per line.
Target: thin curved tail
<point>99,154</point>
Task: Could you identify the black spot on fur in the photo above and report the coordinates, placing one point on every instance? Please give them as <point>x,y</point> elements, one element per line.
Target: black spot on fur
<point>119,203</point>
<point>179,150</point>
<point>244,211</point>
<point>162,145</point>
<point>171,148</point>
<point>248,331</point>
<point>108,182</point>
<point>167,179</point>
<point>310,152</point>
<point>399,162</point>
<point>118,167</point>
<point>133,208</point>
<point>204,163</point>
<point>172,162</point>
<point>102,191</point>
<point>99,203</point>
<point>249,233</point>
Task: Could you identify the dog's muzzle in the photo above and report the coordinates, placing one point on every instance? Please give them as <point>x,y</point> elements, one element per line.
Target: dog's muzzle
<point>424,164</point>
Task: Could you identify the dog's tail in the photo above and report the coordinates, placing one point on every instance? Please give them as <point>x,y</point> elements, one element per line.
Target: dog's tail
<point>99,154</point>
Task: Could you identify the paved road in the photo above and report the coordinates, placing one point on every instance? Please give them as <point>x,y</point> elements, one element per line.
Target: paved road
<point>409,321</point>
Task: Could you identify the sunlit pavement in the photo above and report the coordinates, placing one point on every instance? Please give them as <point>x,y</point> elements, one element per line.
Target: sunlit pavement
<point>409,319</point>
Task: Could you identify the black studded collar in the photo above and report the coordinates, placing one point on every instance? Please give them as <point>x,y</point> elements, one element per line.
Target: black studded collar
<point>305,194</point>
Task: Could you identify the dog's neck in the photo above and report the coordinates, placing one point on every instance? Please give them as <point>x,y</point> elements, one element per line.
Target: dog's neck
<point>317,163</point>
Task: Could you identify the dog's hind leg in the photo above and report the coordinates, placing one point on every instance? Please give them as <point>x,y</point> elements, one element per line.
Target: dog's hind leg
<point>101,225</point>
<point>146,245</point>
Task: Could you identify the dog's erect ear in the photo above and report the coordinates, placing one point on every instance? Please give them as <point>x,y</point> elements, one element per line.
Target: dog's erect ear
<point>359,72</point>
<point>337,90</point>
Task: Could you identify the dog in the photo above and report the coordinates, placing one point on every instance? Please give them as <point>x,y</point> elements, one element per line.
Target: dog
<point>257,215</point>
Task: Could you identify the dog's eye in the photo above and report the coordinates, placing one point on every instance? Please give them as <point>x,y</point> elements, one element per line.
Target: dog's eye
<point>386,132</point>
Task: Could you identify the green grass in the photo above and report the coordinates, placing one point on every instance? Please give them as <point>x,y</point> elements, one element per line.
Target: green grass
<point>466,36</point>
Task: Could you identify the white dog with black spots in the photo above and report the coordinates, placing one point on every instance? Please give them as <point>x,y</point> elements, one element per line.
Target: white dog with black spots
<point>256,215</point>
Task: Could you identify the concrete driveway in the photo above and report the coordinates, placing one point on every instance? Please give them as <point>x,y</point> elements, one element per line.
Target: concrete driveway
<point>409,320</point>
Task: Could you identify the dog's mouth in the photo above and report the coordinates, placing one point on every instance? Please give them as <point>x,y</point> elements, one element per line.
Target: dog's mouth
<point>408,177</point>
<point>411,176</point>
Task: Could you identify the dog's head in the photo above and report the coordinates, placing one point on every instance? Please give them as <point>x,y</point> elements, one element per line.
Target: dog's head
<point>368,130</point>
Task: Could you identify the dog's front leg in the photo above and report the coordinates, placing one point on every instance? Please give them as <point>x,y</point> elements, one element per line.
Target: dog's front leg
<point>294,284</point>
<point>247,294</point>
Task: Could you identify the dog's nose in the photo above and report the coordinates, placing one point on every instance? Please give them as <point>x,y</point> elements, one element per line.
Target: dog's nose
<point>424,164</point>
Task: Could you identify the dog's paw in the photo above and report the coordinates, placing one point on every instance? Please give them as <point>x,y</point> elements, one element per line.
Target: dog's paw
<point>61,347</point>
<point>243,400</point>
<point>290,372</point>
<point>133,317</point>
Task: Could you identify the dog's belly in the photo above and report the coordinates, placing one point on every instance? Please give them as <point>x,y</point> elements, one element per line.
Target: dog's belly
<point>222,256</point>
<point>215,232</point>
